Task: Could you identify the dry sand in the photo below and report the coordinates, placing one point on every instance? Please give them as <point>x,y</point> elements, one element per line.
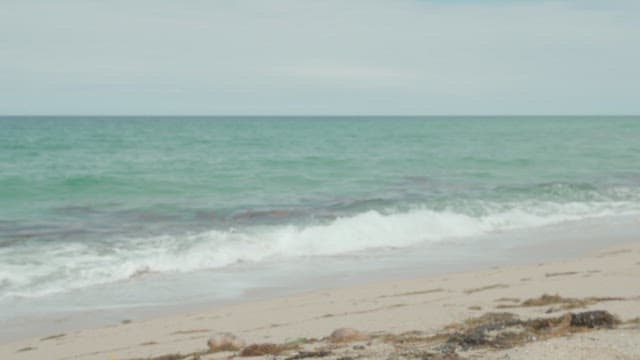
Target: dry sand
<point>398,318</point>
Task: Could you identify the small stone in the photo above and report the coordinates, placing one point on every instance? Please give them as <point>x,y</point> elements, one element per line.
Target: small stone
<point>346,334</point>
<point>225,342</point>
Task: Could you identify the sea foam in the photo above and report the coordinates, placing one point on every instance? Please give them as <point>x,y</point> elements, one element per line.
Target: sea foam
<point>76,265</point>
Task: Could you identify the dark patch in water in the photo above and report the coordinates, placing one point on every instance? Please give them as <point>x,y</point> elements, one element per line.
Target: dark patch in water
<point>75,210</point>
<point>553,190</point>
<point>361,204</point>
<point>18,235</point>
<point>4,223</point>
<point>53,234</point>
<point>206,214</point>
<point>265,215</point>
<point>145,216</point>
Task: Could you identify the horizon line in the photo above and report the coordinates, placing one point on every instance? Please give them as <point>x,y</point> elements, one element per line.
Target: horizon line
<point>313,115</point>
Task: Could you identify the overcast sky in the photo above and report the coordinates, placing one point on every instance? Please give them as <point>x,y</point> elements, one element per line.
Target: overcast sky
<point>319,57</point>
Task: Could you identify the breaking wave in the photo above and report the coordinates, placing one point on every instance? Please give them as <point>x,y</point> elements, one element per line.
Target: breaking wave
<point>25,272</point>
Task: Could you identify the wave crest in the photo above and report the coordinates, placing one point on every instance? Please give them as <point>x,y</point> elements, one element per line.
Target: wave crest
<point>76,265</point>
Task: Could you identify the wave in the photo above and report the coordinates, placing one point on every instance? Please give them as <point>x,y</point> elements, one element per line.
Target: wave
<point>26,272</point>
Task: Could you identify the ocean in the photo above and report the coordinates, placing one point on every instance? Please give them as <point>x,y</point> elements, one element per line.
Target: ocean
<point>123,212</point>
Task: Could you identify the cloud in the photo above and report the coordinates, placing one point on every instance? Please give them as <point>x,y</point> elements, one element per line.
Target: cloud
<point>302,56</point>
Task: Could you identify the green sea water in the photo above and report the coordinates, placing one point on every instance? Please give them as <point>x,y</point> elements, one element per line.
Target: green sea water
<point>86,201</point>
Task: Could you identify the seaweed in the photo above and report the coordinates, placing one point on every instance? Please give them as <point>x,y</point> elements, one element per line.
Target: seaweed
<point>265,349</point>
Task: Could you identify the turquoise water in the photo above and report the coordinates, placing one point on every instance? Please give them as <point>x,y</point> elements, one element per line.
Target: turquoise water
<point>88,202</point>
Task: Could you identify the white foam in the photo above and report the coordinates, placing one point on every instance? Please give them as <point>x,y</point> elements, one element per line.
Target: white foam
<point>77,265</point>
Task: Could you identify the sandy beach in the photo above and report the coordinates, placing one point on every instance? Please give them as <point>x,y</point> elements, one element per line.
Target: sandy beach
<point>413,318</point>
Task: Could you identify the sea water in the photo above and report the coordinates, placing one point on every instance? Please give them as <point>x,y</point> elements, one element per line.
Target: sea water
<point>103,212</point>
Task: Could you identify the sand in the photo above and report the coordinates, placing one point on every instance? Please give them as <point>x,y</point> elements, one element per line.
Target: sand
<point>389,315</point>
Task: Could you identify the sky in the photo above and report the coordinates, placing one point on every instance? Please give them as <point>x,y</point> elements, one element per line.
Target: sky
<point>319,57</point>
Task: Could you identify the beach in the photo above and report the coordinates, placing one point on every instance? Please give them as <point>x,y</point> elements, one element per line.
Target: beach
<point>136,237</point>
<point>339,180</point>
<point>420,309</point>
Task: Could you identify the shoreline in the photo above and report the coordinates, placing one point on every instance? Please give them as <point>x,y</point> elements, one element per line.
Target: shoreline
<point>516,247</point>
<point>425,304</point>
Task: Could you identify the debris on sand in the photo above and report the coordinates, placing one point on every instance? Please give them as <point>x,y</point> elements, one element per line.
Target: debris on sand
<point>562,302</point>
<point>225,342</point>
<point>309,354</point>
<point>505,330</point>
<point>264,349</point>
<point>346,335</point>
